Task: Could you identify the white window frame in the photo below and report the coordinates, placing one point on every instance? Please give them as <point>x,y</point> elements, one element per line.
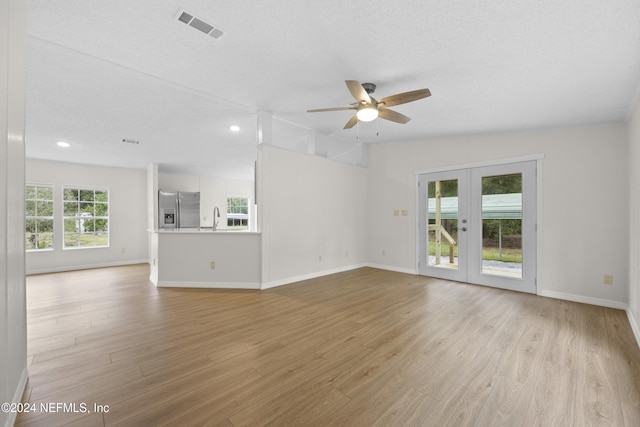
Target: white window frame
<point>38,218</point>
<point>238,216</point>
<point>81,217</point>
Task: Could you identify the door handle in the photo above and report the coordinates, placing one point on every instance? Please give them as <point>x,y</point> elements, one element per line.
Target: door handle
<point>464,229</point>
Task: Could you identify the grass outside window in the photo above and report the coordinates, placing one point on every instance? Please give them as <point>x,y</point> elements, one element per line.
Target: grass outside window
<point>38,217</point>
<point>86,218</point>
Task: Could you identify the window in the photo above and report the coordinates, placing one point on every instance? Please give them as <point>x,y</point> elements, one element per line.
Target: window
<point>86,218</point>
<point>238,212</point>
<point>39,217</point>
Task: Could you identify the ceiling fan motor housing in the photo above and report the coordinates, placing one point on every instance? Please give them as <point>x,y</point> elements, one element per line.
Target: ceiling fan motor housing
<point>369,87</point>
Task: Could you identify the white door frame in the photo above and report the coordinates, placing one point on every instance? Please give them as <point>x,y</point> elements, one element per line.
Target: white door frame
<point>539,226</point>
<point>462,176</point>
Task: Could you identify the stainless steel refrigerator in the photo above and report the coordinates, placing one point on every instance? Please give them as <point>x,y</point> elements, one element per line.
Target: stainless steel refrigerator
<point>178,209</point>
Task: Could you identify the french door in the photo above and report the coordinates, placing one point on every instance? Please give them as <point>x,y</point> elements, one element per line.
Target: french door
<point>478,225</point>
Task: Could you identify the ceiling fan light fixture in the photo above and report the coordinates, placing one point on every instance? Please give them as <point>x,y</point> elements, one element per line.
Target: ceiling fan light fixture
<point>367,114</point>
<point>368,108</point>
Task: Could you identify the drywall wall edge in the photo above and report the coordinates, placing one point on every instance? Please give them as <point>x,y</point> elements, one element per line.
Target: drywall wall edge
<point>17,397</point>
<point>634,325</point>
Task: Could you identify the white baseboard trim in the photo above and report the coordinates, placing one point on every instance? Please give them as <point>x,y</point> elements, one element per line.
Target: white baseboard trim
<point>585,300</point>
<point>30,272</point>
<point>600,302</point>
<point>17,397</point>
<point>392,268</point>
<point>289,280</point>
<point>634,325</point>
<point>207,285</point>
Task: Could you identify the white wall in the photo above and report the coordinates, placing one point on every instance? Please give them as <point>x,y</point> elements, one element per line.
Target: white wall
<point>177,182</point>
<point>13,328</point>
<point>585,206</point>
<point>634,212</point>
<point>313,215</point>
<point>128,238</point>
<point>184,260</point>
<point>152,196</point>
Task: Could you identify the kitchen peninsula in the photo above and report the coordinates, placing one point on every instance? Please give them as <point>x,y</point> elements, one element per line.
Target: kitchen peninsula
<point>202,258</point>
<point>184,250</point>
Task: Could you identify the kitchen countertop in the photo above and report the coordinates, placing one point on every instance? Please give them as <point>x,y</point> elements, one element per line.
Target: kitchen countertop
<point>203,230</point>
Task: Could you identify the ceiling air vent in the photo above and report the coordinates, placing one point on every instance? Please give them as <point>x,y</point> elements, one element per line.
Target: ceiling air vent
<point>199,24</point>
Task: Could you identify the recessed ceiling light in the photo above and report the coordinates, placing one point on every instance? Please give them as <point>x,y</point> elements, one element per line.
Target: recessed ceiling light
<point>234,128</point>
<point>62,144</point>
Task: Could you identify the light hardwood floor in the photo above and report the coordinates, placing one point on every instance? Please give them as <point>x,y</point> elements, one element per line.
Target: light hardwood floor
<point>361,348</point>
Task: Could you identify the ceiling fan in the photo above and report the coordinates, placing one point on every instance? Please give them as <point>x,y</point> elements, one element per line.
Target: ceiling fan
<point>368,108</point>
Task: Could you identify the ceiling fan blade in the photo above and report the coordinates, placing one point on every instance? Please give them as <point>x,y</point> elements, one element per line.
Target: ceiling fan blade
<point>320,110</point>
<point>352,122</point>
<point>394,116</point>
<point>358,92</point>
<point>403,98</point>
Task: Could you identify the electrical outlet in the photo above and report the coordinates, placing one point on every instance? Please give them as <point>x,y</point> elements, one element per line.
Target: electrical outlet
<point>319,258</point>
<point>346,254</point>
<point>403,212</point>
<point>212,265</point>
<point>123,250</point>
<point>396,212</point>
<point>384,253</point>
<point>608,279</point>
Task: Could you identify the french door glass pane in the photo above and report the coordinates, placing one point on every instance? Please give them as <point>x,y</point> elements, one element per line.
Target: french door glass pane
<point>502,225</point>
<point>442,220</point>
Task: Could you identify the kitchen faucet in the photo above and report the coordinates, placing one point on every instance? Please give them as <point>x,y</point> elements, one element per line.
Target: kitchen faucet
<point>215,223</point>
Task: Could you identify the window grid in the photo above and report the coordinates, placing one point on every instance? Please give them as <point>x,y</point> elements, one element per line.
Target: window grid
<point>238,212</point>
<point>86,217</point>
<point>38,217</point>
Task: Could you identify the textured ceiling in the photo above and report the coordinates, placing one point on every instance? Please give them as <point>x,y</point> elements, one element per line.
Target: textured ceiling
<point>100,71</point>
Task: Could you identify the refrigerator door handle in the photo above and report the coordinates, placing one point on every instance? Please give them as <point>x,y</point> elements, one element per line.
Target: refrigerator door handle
<point>178,211</point>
